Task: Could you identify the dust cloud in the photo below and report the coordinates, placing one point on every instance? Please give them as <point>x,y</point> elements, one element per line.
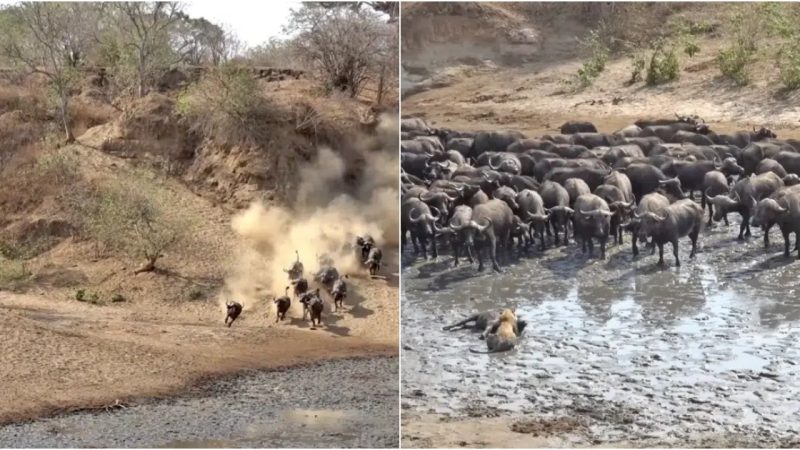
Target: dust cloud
<point>330,210</point>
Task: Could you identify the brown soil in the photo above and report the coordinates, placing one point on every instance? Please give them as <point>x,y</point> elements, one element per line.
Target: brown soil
<point>60,356</point>
<point>508,85</point>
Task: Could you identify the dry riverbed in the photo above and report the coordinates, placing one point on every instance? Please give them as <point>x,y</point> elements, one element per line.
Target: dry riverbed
<point>342,403</point>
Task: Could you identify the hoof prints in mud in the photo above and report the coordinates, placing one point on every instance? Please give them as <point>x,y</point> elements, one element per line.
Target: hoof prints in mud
<point>343,403</point>
<point>704,354</point>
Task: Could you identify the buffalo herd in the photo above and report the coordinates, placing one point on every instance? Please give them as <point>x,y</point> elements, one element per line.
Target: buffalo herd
<point>326,277</point>
<point>479,193</point>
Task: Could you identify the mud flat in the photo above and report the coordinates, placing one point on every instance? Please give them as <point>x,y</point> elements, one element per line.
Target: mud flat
<point>341,403</point>
<point>617,352</point>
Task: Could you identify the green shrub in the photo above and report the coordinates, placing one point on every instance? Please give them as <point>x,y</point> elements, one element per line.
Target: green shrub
<point>637,67</point>
<point>594,65</point>
<point>664,66</point>
<point>117,298</point>
<point>10,250</point>
<point>132,214</point>
<point>60,166</point>
<point>703,27</point>
<point>733,62</point>
<point>91,297</point>
<point>782,21</point>
<point>789,65</point>
<point>225,104</point>
<point>690,47</point>
<point>12,273</point>
<point>748,25</point>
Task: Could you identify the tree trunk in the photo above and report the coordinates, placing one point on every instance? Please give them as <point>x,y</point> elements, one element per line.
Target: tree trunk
<point>141,91</point>
<point>65,119</point>
<point>142,88</point>
<point>381,81</point>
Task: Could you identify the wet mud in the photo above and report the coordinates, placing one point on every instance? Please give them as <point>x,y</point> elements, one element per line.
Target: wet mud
<point>623,351</point>
<point>342,403</point>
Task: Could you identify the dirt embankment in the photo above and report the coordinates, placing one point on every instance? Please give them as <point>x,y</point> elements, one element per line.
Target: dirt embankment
<point>156,333</point>
<point>495,81</point>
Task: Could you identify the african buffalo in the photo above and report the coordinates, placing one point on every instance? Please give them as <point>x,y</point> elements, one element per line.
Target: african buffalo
<point>770,165</point>
<point>650,203</point>
<point>714,183</point>
<point>556,203</point>
<point>418,219</point>
<point>743,198</point>
<point>620,208</point>
<point>491,222</point>
<point>682,218</point>
<point>592,220</point>
<point>573,127</point>
<point>531,210</point>
<point>575,188</point>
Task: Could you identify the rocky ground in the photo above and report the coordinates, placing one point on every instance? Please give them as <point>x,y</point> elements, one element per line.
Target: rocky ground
<point>342,403</point>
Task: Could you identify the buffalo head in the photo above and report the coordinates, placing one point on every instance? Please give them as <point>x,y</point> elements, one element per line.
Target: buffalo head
<point>671,187</point>
<point>723,204</point>
<point>767,210</point>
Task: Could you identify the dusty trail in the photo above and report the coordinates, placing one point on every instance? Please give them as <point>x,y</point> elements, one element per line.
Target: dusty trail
<point>83,355</point>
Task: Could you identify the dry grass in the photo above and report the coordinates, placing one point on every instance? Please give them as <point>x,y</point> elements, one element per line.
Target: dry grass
<point>87,112</point>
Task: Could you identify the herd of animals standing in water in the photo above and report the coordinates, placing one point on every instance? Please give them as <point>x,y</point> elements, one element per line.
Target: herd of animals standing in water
<point>328,277</point>
<point>479,192</point>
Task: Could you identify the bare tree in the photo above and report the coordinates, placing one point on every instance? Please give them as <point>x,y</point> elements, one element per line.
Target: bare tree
<point>49,39</point>
<point>205,42</point>
<point>145,28</point>
<point>343,42</point>
<point>276,53</point>
<point>388,63</point>
<point>391,9</point>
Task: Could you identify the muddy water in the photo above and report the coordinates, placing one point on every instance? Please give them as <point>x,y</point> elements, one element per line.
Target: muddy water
<point>344,403</point>
<point>707,352</point>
